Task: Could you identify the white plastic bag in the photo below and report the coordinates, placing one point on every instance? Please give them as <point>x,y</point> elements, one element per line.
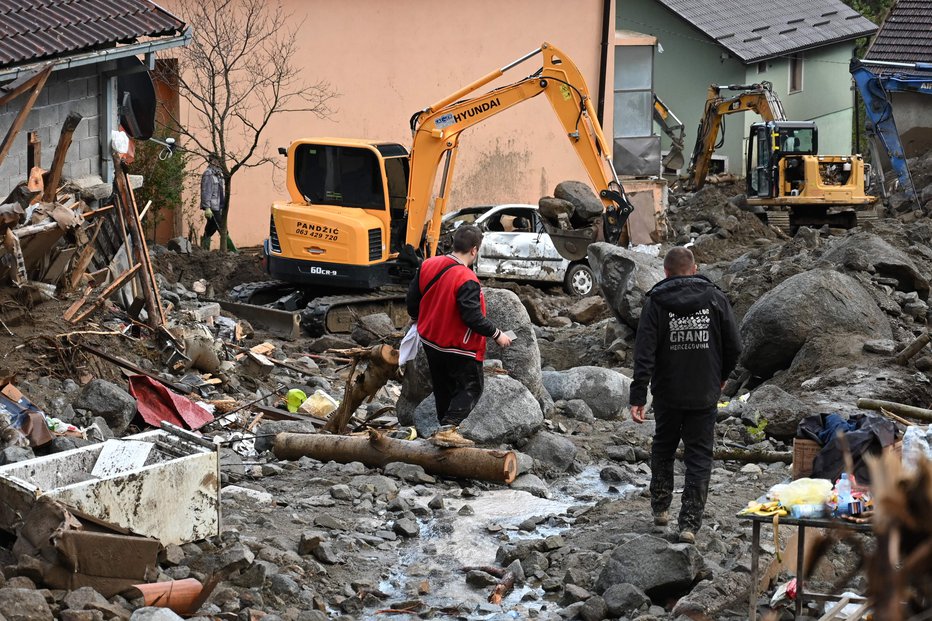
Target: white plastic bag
<point>409,344</point>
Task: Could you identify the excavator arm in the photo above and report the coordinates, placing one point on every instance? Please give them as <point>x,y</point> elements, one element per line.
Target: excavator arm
<point>437,130</point>
<point>758,98</point>
<point>675,131</point>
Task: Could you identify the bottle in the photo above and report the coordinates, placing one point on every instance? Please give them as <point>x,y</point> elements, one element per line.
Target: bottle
<point>843,494</point>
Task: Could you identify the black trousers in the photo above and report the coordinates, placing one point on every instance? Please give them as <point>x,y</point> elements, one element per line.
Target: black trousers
<point>212,226</point>
<point>458,384</point>
<point>697,430</point>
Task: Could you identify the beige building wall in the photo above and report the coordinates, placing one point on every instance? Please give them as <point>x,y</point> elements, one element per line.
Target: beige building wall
<point>390,58</point>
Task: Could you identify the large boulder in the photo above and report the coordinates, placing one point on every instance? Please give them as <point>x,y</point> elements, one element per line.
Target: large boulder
<point>109,401</point>
<point>506,412</point>
<point>782,410</point>
<point>867,252</point>
<point>624,277</point>
<point>802,306</point>
<point>24,605</point>
<point>710,598</point>
<point>555,451</point>
<point>586,205</point>
<point>371,329</point>
<point>521,359</point>
<point>657,567</point>
<point>605,391</point>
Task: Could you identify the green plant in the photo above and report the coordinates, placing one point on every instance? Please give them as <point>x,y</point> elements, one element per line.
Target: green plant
<point>757,431</point>
<point>163,183</point>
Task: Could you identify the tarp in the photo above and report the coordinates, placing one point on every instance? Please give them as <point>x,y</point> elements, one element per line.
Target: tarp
<point>156,403</point>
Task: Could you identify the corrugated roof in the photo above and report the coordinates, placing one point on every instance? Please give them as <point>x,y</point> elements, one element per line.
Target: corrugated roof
<point>754,31</point>
<point>906,35</point>
<point>32,30</point>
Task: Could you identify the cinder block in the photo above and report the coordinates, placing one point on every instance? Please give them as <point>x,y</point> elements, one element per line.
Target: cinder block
<point>92,125</point>
<point>77,89</point>
<point>88,148</point>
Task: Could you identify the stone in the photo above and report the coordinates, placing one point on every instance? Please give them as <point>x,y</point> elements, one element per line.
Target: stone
<point>374,483</point>
<point>154,614</point>
<point>310,541</point>
<point>574,593</point>
<point>480,579</point>
<point>556,451</point>
<point>506,412</point>
<point>614,474</point>
<point>555,209</point>
<point>709,598</point>
<point>412,473</point>
<point>605,391</point>
<point>657,567</point>
<point>235,557</point>
<point>532,484</point>
<point>869,252</point>
<point>79,615</point>
<point>782,410</point>
<point>116,406</point>
<point>80,599</point>
<point>283,585</point>
<point>24,605</point>
<point>406,527</point>
<point>623,598</point>
<point>817,302</point>
<point>586,205</point>
<point>624,278</point>
<point>341,492</point>
<point>245,494</point>
<point>577,409</point>
<point>375,328</point>
<point>752,469</point>
<point>587,310</point>
<point>266,431</point>
<point>594,609</point>
<point>13,454</point>
<point>880,346</point>
<point>326,554</point>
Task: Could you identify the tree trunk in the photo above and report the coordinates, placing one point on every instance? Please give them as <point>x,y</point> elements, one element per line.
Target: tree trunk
<point>908,411</point>
<point>225,214</point>
<point>381,366</point>
<point>377,450</point>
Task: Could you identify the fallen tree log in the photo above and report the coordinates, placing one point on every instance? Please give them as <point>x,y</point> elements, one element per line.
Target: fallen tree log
<point>503,587</point>
<point>751,457</point>
<point>908,411</point>
<point>912,349</point>
<point>381,366</point>
<point>378,450</point>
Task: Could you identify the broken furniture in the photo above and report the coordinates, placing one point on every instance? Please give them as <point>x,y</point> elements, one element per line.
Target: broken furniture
<point>152,484</point>
<point>802,524</point>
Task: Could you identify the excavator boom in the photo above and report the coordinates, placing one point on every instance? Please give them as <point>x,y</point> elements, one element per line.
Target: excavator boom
<point>436,137</point>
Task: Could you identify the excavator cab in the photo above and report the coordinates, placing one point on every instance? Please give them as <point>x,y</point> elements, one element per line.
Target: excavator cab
<point>775,146</point>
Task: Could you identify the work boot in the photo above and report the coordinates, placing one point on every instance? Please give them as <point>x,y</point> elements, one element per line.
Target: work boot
<point>662,518</point>
<point>449,437</point>
<point>687,536</point>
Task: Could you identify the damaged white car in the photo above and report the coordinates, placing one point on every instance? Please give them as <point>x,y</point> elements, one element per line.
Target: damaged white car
<point>516,247</point>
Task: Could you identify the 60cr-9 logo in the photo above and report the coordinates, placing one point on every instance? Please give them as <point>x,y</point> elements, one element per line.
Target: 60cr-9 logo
<point>317,231</point>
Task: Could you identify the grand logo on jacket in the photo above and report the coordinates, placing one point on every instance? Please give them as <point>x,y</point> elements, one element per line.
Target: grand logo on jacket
<point>689,331</point>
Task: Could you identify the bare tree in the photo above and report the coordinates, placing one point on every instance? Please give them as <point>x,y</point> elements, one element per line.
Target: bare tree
<point>237,73</point>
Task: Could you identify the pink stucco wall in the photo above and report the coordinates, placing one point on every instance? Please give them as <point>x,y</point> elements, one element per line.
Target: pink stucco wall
<point>388,59</point>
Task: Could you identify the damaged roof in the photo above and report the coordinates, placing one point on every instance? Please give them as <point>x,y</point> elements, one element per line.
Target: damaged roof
<point>33,30</point>
<point>755,31</point>
<point>906,34</point>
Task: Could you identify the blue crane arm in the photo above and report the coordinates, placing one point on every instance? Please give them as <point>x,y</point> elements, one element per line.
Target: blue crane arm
<point>875,89</point>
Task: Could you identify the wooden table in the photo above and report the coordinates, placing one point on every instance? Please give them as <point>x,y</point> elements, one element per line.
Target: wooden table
<point>802,524</point>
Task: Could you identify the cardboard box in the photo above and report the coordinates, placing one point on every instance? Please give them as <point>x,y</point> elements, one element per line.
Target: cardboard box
<point>805,451</point>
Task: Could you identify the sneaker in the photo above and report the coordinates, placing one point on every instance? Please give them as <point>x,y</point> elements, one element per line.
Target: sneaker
<point>687,536</point>
<point>449,437</point>
<point>662,518</point>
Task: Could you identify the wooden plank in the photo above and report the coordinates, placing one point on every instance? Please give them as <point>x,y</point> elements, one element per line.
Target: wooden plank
<point>129,366</point>
<point>33,152</point>
<point>828,616</point>
<point>37,84</point>
<point>23,83</point>
<point>57,268</point>
<point>58,161</point>
<point>70,312</point>
<point>118,282</point>
<point>84,259</point>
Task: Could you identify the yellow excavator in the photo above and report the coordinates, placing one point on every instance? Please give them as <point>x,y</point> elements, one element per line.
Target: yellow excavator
<point>786,177</point>
<point>362,213</point>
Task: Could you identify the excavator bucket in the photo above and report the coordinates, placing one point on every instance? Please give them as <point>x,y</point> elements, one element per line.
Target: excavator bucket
<point>674,160</point>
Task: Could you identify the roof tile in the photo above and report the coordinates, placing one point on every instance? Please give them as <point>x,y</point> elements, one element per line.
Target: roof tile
<point>906,34</point>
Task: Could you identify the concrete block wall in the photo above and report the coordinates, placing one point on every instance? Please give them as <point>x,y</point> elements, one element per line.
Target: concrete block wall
<point>76,89</point>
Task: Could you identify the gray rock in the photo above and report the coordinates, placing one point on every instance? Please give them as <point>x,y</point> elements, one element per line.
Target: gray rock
<point>506,412</point>
<point>817,302</point>
<point>623,598</point>
<point>586,205</point>
<point>657,567</point>
<point>341,492</point>
<point>557,451</point>
<point>154,614</point>
<point>555,209</point>
<point>280,584</point>
<point>24,605</point>
<point>82,598</point>
<point>326,554</point>
<point>13,454</point>
<point>880,346</point>
<point>406,527</point>
<point>868,252</point>
<point>605,391</point>
<point>594,609</point>
<point>235,557</point>
<point>782,410</point>
<point>587,310</point>
<point>376,328</point>
<point>480,579</point>
<point>710,598</point>
<point>412,473</point>
<point>310,541</point>
<point>375,484</point>
<point>532,484</point>
<point>624,277</point>
<point>108,401</point>
<point>267,430</point>
<point>577,409</point>
<point>181,245</point>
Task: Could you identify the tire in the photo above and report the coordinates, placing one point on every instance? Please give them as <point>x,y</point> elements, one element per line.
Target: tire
<point>579,280</point>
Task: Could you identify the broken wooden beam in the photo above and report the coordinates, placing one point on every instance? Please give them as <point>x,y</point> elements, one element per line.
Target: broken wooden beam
<point>58,161</point>
<point>908,411</point>
<point>907,353</point>
<point>118,282</point>
<point>84,259</point>
<point>381,366</point>
<point>35,82</point>
<point>377,450</point>
<point>129,366</point>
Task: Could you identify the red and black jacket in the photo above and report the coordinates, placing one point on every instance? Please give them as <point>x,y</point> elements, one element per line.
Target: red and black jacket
<point>446,300</point>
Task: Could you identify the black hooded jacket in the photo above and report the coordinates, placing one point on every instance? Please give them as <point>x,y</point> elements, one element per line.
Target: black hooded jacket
<point>687,344</point>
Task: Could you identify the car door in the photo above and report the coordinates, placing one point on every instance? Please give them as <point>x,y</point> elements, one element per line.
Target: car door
<point>552,265</point>
<point>508,254</point>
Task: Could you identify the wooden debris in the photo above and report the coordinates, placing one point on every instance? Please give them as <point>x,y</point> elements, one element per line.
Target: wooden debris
<point>34,82</point>
<point>377,450</point>
<point>84,259</point>
<point>908,411</point>
<point>381,366</point>
<point>118,282</point>
<point>912,349</point>
<point>58,161</point>
<point>504,586</point>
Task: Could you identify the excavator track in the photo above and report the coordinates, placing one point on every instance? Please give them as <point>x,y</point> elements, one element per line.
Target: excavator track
<point>783,220</point>
<point>337,314</point>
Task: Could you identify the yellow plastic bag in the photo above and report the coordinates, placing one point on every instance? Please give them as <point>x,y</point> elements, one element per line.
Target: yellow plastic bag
<point>294,399</point>
<point>802,492</point>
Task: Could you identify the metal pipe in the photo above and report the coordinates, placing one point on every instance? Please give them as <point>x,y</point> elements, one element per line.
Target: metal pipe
<point>886,63</point>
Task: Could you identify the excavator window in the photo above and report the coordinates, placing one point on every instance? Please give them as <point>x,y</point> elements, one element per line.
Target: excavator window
<point>797,140</point>
<point>335,175</point>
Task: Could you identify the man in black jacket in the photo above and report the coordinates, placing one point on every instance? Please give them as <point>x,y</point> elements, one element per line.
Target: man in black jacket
<point>687,344</point>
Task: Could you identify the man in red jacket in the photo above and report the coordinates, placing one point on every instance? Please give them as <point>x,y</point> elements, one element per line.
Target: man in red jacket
<point>447,302</point>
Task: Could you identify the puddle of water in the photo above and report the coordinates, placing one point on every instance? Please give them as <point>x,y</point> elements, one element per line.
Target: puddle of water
<point>446,545</point>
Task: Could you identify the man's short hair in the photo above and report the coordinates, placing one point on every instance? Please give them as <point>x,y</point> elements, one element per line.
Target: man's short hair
<point>679,261</point>
<point>466,237</point>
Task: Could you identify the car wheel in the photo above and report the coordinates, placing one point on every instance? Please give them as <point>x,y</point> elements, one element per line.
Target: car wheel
<point>580,280</point>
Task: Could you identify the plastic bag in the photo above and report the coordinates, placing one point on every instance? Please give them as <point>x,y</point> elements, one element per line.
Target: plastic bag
<point>409,345</point>
<point>802,492</point>
<point>319,404</point>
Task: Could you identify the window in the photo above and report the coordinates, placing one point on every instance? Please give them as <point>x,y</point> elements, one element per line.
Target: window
<point>796,73</point>
<point>347,176</point>
<point>762,66</point>
<point>634,102</point>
